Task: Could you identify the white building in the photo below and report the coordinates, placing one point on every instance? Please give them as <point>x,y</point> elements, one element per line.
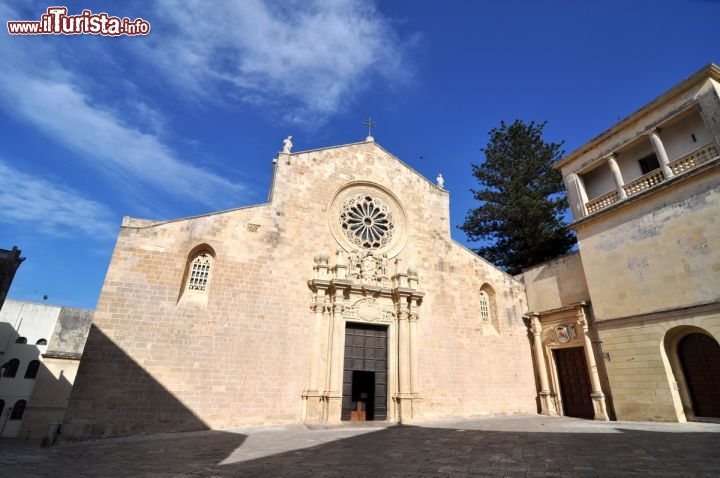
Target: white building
<point>40,347</point>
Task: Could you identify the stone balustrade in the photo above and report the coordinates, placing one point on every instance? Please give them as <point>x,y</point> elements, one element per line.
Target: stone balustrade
<point>696,158</point>
<point>653,178</point>
<point>644,182</point>
<point>602,202</point>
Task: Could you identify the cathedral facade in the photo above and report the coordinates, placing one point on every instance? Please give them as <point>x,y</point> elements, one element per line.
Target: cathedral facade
<point>341,298</point>
<point>345,298</point>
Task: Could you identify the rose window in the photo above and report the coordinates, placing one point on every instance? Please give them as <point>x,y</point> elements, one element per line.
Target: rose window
<point>367,221</point>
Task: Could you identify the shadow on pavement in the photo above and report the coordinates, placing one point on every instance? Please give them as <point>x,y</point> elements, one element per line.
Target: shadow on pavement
<point>399,451</point>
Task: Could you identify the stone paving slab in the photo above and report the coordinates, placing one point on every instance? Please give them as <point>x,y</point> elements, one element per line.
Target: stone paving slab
<point>514,446</point>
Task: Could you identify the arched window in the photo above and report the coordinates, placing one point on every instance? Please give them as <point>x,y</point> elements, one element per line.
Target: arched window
<point>18,410</point>
<point>488,308</point>
<point>21,340</point>
<point>198,274</point>
<point>32,369</point>
<point>11,368</point>
<point>484,306</point>
<point>41,342</point>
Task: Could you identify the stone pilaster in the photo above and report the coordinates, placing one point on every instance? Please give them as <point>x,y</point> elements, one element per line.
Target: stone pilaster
<point>709,103</point>
<point>598,397</point>
<point>577,196</point>
<point>544,394</point>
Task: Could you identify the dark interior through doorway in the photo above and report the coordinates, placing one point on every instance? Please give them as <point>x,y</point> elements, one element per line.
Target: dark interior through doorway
<point>365,372</point>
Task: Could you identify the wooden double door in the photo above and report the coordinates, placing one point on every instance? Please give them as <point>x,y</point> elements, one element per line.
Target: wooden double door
<point>365,372</point>
<point>700,359</point>
<point>574,381</point>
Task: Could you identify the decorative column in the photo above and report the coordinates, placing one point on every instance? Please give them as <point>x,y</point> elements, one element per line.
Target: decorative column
<point>598,397</point>
<point>660,152</point>
<point>317,311</point>
<point>407,300</point>
<point>413,320</point>
<point>403,351</point>
<point>544,394</point>
<point>617,176</point>
<point>314,395</point>
<point>312,406</point>
<point>412,326</point>
<point>334,391</point>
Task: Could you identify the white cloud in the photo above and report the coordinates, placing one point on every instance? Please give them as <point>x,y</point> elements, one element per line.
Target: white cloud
<point>306,57</point>
<point>51,208</point>
<point>35,86</point>
<point>107,142</point>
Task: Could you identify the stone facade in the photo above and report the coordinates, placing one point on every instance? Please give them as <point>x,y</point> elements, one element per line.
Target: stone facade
<point>10,260</point>
<point>645,199</point>
<point>42,345</point>
<point>240,317</point>
<point>561,319</point>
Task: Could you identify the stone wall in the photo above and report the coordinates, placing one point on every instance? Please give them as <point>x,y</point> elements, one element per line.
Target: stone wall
<point>556,283</point>
<point>645,375</point>
<point>657,254</point>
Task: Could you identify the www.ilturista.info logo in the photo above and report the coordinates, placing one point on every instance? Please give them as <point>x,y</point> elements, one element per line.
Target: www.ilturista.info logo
<point>57,22</point>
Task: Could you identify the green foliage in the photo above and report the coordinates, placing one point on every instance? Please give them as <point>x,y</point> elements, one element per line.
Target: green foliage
<point>522,199</point>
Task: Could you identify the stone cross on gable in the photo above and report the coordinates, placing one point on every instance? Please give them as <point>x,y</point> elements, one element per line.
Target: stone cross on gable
<point>370,124</point>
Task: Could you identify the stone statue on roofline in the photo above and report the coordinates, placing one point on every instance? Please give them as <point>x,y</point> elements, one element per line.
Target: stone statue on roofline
<point>287,145</point>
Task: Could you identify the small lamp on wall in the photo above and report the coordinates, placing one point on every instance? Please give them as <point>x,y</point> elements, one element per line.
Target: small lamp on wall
<point>605,355</point>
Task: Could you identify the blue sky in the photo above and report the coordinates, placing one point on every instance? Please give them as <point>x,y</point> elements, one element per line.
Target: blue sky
<point>187,119</point>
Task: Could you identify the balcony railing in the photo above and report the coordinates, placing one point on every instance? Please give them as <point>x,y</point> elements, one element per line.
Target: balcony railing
<point>644,182</point>
<point>653,178</point>
<point>696,158</point>
<point>602,202</point>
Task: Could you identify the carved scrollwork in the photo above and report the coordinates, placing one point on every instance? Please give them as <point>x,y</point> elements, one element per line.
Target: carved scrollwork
<point>368,269</point>
<point>582,322</point>
<point>349,313</point>
<point>368,310</point>
<point>535,326</point>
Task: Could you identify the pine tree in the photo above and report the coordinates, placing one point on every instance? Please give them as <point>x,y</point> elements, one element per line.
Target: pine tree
<point>522,199</point>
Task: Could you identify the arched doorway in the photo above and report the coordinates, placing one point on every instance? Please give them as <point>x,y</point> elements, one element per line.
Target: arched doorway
<point>700,358</point>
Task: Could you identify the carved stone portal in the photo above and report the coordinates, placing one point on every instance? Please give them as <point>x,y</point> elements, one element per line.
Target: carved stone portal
<point>359,290</point>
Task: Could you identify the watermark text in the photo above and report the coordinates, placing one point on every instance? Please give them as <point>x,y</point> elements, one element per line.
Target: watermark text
<point>57,22</point>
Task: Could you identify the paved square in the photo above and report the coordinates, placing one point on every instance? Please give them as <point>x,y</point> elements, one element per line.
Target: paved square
<point>526,446</point>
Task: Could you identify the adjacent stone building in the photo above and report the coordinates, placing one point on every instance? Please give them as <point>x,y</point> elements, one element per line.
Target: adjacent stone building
<point>343,297</point>
<point>645,200</point>
<point>40,349</point>
<point>10,260</point>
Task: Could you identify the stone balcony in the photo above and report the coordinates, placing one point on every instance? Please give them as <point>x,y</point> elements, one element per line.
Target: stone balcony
<point>653,178</point>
